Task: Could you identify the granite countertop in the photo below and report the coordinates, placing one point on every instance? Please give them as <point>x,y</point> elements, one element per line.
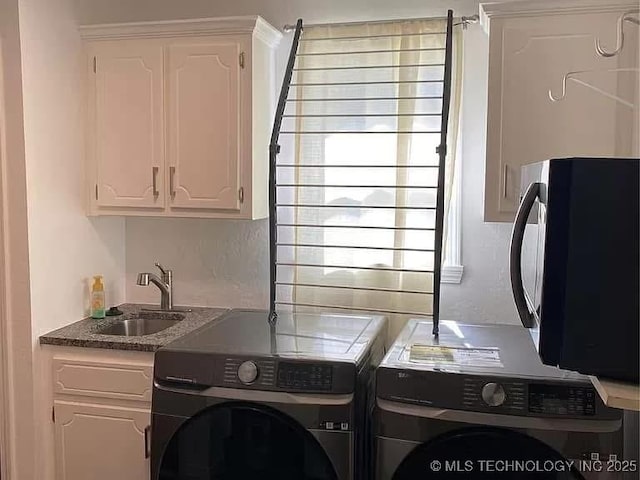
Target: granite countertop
<point>84,333</point>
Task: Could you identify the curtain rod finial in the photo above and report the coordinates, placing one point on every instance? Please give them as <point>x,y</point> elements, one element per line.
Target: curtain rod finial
<point>290,28</point>
<point>466,21</point>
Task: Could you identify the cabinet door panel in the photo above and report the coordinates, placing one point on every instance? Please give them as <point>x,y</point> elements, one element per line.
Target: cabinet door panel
<point>203,125</point>
<point>100,442</point>
<point>102,379</point>
<point>129,127</point>
<point>529,56</point>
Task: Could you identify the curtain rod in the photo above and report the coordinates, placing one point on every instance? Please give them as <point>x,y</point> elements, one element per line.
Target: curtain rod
<point>464,21</point>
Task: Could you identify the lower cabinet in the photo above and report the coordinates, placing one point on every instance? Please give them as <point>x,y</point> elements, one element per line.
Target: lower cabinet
<point>101,442</point>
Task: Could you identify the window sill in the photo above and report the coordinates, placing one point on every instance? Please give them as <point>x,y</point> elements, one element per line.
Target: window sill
<point>451,274</point>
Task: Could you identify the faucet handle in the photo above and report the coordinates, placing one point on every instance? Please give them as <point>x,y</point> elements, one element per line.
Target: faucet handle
<point>161,268</point>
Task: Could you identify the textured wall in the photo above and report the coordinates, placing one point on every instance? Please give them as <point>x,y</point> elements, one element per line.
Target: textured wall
<point>484,294</point>
<point>215,262</point>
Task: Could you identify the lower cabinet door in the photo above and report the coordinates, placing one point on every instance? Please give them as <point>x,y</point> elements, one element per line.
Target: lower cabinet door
<point>101,442</point>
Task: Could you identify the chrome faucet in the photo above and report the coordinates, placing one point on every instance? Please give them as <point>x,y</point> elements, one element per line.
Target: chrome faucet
<point>164,283</point>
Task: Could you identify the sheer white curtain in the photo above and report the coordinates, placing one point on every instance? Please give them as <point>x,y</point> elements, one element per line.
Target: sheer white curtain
<point>358,168</point>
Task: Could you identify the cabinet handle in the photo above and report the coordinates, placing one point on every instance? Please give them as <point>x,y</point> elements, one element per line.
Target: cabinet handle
<point>172,174</point>
<point>147,442</point>
<point>505,177</point>
<point>155,181</point>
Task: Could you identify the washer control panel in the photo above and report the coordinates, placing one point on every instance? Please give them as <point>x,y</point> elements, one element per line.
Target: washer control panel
<point>305,376</point>
<point>248,372</point>
<point>561,400</point>
<point>267,374</point>
<point>485,395</point>
<point>529,398</point>
<point>493,394</point>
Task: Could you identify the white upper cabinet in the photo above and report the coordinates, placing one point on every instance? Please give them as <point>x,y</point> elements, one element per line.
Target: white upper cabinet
<point>203,93</point>
<point>127,144</point>
<point>179,117</point>
<point>542,49</point>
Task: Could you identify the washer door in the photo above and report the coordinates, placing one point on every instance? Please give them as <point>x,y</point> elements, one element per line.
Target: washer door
<point>485,453</point>
<point>237,441</point>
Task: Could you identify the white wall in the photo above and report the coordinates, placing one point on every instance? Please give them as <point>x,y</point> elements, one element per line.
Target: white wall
<point>15,330</point>
<point>278,12</point>
<point>65,246</point>
<point>484,296</point>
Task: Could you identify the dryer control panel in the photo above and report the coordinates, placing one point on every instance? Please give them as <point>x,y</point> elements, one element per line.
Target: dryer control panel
<point>282,375</point>
<point>308,377</point>
<point>530,398</point>
<point>288,376</point>
<point>249,372</point>
<point>492,394</point>
<point>561,400</point>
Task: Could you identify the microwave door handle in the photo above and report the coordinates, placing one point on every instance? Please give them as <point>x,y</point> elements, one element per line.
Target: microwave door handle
<point>515,255</point>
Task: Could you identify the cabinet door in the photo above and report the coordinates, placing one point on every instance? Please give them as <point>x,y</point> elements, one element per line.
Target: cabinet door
<point>100,442</point>
<point>128,139</point>
<point>203,125</point>
<point>528,57</point>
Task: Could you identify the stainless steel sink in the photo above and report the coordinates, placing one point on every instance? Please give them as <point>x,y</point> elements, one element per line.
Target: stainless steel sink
<point>143,323</point>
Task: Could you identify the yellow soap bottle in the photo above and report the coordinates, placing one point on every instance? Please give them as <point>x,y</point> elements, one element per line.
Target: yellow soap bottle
<point>97,298</point>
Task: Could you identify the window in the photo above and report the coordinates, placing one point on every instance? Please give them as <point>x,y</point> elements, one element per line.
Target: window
<point>358,169</point>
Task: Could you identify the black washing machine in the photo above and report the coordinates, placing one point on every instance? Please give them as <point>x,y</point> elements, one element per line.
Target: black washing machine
<point>477,403</point>
<point>240,399</point>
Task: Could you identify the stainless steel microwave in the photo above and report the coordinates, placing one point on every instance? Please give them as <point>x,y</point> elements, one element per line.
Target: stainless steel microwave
<point>575,261</point>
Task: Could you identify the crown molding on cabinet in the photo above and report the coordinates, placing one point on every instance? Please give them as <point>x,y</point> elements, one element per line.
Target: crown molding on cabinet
<point>524,8</point>
<point>180,28</point>
<point>452,273</point>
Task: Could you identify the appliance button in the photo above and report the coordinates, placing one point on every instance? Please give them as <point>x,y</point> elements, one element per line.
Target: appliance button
<point>248,372</point>
<point>493,394</point>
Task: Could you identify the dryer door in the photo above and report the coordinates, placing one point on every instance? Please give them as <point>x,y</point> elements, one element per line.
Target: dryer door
<point>234,441</point>
<point>480,453</point>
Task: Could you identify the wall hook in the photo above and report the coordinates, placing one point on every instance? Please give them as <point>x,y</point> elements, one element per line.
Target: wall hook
<point>571,76</point>
<point>625,17</point>
<point>563,92</point>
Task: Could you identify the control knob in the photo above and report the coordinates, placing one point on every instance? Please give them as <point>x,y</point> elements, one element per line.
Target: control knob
<point>493,394</point>
<point>248,372</point>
